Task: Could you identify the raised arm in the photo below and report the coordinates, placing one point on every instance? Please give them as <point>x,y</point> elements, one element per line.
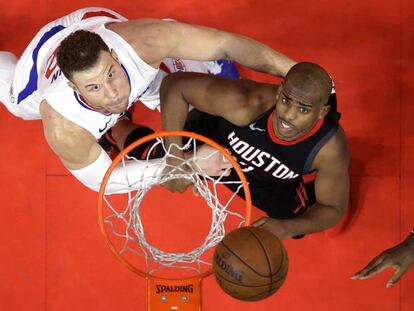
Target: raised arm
<point>214,95</point>
<point>156,39</point>
<point>331,189</point>
<point>210,94</point>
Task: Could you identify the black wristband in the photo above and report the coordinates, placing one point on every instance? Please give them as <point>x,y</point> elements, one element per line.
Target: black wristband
<point>140,152</point>
<point>412,231</point>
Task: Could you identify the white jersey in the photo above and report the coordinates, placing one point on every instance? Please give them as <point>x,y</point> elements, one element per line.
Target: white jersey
<point>37,76</point>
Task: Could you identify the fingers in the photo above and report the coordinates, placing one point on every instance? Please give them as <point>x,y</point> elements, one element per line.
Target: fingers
<point>195,191</point>
<point>226,172</point>
<point>225,158</point>
<point>395,277</point>
<point>224,162</point>
<point>374,267</point>
<point>260,222</point>
<point>226,165</point>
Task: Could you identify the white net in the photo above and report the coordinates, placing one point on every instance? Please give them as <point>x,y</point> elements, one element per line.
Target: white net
<point>123,222</point>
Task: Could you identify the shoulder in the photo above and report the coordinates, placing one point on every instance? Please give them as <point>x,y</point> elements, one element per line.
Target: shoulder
<point>252,99</point>
<point>240,101</point>
<point>68,140</point>
<point>246,99</point>
<point>334,154</point>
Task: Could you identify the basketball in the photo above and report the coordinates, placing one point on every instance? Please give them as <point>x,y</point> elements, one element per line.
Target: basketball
<point>250,263</point>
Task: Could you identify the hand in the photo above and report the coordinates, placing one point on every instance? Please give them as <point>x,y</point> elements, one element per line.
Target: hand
<point>176,166</point>
<point>209,160</point>
<point>178,185</point>
<point>212,162</point>
<point>273,225</point>
<point>399,257</point>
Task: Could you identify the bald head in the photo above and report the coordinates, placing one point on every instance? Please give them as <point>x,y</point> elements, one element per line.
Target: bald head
<point>312,80</point>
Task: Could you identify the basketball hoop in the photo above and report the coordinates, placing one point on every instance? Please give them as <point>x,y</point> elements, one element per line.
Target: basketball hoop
<point>121,217</point>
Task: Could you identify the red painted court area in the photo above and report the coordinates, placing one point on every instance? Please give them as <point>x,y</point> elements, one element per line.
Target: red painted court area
<point>52,256</point>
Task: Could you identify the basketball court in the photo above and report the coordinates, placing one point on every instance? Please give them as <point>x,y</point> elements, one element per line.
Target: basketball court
<point>53,256</point>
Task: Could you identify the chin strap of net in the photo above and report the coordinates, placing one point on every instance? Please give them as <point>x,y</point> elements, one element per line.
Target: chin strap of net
<point>206,186</point>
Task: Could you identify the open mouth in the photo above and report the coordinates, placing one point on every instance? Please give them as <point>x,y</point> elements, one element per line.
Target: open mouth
<point>285,126</point>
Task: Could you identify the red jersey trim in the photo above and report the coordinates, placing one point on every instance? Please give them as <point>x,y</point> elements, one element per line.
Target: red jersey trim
<point>86,105</point>
<point>279,141</point>
<point>164,68</point>
<point>98,13</point>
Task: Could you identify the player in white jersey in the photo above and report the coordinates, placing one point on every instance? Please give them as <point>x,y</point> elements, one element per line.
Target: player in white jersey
<point>77,111</point>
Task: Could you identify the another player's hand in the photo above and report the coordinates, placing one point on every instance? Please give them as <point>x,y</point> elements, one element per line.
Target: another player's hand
<point>273,225</point>
<point>399,257</point>
<point>176,166</point>
<point>212,162</point>
<point>177,185</point>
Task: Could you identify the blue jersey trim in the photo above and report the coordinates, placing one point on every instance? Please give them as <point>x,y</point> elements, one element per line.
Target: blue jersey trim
<point>31,85</point>
<point>81,102</point>
<point>126,73</point>
<point>228,69</point>
<point>84,105</point>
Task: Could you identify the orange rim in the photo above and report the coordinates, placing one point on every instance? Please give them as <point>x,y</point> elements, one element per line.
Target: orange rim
<point>141,141</point>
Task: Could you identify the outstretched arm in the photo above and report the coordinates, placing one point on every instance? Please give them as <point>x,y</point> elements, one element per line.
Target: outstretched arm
<point>210,94</point>
<point>157,39</point>
<point>399,257</point>
<point>331,189</point>
<point>84,157</point>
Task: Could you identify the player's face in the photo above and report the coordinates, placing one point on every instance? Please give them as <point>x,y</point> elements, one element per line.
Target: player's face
<point>105,86</point>
<point>296,112</point>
